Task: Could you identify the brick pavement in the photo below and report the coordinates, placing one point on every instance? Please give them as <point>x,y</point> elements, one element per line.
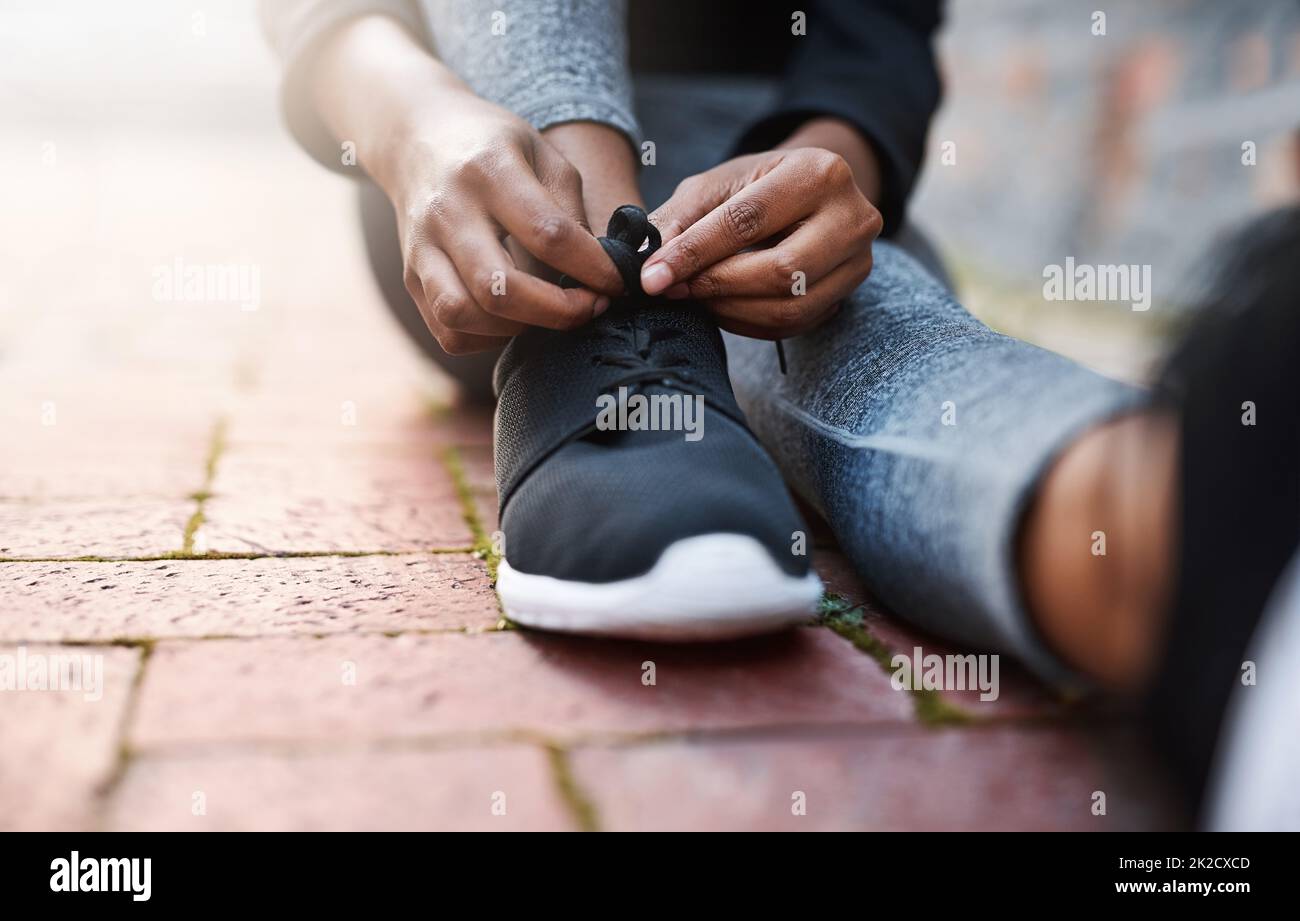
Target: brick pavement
<point>265,527</point>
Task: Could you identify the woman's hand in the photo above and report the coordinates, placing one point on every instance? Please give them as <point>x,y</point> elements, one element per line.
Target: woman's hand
<point>770,242</point>
<point>466,179</point>
<point>463,174</point>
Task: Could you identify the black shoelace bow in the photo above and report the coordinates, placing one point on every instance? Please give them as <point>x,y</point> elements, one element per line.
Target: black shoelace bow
<point>629,240</point>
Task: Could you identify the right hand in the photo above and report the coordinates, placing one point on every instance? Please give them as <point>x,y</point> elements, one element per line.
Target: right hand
<point>463,178</point>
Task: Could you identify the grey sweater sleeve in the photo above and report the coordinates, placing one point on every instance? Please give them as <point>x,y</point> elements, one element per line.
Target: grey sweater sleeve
<point>548,61</point>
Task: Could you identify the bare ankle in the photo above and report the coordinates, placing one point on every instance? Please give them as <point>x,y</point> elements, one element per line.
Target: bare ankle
<point>1097,548</point>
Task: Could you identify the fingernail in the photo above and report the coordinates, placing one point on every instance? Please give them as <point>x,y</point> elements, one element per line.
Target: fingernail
<point>677,292</point>
<point>654,278</point>
<point>601,305</point>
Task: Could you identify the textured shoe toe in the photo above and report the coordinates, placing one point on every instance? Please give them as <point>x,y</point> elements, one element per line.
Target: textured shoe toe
<point>605,507</point>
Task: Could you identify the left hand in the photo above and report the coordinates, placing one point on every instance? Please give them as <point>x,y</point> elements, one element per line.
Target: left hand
<point>770,242</point>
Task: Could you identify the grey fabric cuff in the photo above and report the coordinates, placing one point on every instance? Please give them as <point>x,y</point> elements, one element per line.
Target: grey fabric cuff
<point>557,110</point>
<point>547,61</point>
<point>296,29</point>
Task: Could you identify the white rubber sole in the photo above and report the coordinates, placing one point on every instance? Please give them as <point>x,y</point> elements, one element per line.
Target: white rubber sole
<point>711,587</point>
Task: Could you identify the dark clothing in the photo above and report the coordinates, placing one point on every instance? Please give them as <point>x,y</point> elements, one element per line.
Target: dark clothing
<point>869,62</point>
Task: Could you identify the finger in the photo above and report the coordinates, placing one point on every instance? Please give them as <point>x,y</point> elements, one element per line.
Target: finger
<point>500,288</point>
<point>815,249</point>
<point>693,198</point>
<point>753,214</point>
<point>697,195</point>
<point>562,179</point>
<point>457,343</point>
<point>453,342</point>
<point>551,231</point>
<point>446,302</point>
<point>777,318</point>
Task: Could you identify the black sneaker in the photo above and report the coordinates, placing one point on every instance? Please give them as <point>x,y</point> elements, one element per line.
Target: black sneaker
<point>635,502</point>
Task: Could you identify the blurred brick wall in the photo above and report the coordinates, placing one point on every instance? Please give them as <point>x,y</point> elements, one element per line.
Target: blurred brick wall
<point>1116,148</point>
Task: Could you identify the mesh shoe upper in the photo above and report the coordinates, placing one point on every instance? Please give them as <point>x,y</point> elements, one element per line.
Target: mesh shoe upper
<point>584,504</point>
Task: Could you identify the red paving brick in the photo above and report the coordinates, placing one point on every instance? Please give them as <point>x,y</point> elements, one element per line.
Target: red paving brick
<point>913,779</point>
<point>476,461</point>
<point>101,527</point>
<point>193,598</point>
<point>365,498</point>
<point>397,417</point>
<point>355,473</point>
<point>414,686</point>
<point>58,747</point>
<point>329,419</point>
<point>39,472</point>
<point>322,524</point>
<point>483,789</point>
<point>108,443</point>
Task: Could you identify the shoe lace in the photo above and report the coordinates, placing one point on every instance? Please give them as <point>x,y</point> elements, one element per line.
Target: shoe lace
<point>629,240</point>
<point>634,347</point>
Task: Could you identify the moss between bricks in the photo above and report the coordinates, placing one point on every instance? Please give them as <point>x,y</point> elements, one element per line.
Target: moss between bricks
<point>216,447</point>
<point>582,808</point>
<point>439,410</point>
<point>849,621</point>
<point>191,528</point>
<point>483,548</point>
<point>124,753</point>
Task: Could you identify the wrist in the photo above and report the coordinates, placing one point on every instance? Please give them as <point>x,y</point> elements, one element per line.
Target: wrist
<point>415,131</point>
<point>604,158</point>
<point>841,137</point>
<point>374,85</point>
